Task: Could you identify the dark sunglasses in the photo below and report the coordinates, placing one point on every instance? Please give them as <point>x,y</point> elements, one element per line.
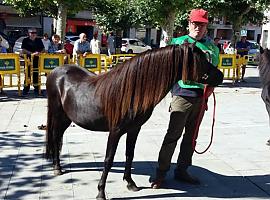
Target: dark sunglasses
<point>33,32</point>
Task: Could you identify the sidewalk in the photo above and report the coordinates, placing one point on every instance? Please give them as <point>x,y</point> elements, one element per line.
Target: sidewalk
<point>237,165</point>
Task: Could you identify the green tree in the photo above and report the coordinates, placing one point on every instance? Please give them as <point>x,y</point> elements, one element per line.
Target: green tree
<point>55,8</point>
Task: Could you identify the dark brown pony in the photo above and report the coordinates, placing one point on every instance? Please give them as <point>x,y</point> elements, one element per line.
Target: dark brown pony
<point>120,101</point>
<point>264,70</point>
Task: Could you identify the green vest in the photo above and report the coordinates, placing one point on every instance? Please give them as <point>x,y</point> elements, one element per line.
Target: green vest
<point>206,45</point>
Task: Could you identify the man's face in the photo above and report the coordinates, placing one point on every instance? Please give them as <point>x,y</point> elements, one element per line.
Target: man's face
<point>83,37</point>
<point>32,34</point>
<point>244,38</point>
<point>197,30</point>
<point>56,40</point>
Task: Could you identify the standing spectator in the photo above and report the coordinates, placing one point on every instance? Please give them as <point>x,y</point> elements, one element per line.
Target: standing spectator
<point>2,50</point>
<point>32,45</point>
<point>165,39</point>
<point>81,47</point>
<point>111,44</point>
<point>68,47</point>
<point>46,42</point>
<point>104,43</point>
<point>242,48</point>
<point>95,44</point>
<point>185,107</point>
<point>55,46</point>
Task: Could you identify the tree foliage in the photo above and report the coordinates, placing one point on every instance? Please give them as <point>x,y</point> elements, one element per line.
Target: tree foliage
<point>55,8</point>
<point>167,14</point>
<point>47,7</point>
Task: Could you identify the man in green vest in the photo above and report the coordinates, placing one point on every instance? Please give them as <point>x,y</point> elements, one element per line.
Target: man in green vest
<point>185,107</point>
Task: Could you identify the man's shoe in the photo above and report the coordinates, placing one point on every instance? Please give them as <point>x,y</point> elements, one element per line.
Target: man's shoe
<point>25,92</point>
<point>36,93</point>
<point>268,142</point>
<point>183,176</point>
<point>156,184</point>
<point>243,81</point>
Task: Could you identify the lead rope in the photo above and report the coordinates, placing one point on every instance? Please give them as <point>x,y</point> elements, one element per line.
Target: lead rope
<point>199,119</point>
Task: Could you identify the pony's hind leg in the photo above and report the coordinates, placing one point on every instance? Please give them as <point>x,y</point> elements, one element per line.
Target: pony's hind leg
<point>130,146</point>
<point>57,123</point>
<point>112,144</point>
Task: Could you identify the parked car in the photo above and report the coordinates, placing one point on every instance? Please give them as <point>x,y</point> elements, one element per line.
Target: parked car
<point>133,46</point>
<point>253,53</point>
<point>18,45</point>
<point>72,38</point>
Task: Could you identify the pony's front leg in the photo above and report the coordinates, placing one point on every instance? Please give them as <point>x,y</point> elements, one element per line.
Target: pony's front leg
<point>130,146</point>
<point>110,152</point>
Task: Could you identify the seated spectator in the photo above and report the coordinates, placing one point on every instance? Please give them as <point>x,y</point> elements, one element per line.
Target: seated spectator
<point>55,46</point>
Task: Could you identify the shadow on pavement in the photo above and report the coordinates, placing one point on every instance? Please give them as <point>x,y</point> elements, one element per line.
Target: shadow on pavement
<point>12,95</point>
<point>212,185</point>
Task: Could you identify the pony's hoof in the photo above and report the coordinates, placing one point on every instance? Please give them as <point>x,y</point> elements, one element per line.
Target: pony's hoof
<point>132,187</point>
<point>57,172</point>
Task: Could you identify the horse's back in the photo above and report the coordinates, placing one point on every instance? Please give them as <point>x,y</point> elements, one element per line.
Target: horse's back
<point>73,71</point>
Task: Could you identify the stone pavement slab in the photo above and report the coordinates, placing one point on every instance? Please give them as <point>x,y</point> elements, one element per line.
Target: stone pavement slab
<point>237,165</point>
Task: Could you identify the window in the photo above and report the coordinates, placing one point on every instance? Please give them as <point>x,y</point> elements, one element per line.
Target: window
<point>224,34</point>
<point>250,34</point>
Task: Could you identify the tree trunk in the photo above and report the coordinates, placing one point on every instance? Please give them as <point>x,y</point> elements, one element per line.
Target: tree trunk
<point>168,26</point>
<point>61,21</point>
<point>237,25</point>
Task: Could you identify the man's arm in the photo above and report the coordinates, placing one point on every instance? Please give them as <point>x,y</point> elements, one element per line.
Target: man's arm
<point>25,47</point>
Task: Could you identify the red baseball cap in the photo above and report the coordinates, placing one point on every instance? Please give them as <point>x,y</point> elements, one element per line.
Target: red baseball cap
<point>198,15</point>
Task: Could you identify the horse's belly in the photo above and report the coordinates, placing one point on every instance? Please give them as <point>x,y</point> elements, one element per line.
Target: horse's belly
<point>93,124</point>
<point>89,118</point>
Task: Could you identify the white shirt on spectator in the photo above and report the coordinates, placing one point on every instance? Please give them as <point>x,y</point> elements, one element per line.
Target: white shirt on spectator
<point>46,44</point>
<point>95,46</point>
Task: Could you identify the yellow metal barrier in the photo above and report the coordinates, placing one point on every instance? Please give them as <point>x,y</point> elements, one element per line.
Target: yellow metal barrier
<point>105,61</point>
<point>27,66</point>
<point>10,65</point>
<point>119,58</point>
<point>229,65</point>
<point>91,62</point>
<point>46,63</point>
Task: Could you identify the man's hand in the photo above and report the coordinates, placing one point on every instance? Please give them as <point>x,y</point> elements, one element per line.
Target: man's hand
<point>35,53</point>
<point>84,54</point>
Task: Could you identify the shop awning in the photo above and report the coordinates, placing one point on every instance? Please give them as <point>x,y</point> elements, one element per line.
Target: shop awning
<point>30,22</point>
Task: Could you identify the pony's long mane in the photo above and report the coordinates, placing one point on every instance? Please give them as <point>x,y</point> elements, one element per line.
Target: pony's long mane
<point>264,67</point>
<point>141,82</point>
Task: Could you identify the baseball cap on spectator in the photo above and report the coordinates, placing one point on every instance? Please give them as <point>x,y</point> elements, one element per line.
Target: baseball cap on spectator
<point>198,15</point>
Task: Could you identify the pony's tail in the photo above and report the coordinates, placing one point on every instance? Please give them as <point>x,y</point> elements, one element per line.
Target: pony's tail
<point>50,147</point>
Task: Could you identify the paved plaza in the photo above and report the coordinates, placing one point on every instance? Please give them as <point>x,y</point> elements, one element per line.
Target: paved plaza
<point>237,165</point>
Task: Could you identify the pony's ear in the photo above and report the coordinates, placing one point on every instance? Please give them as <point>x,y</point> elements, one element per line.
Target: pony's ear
<point>261,50</point>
